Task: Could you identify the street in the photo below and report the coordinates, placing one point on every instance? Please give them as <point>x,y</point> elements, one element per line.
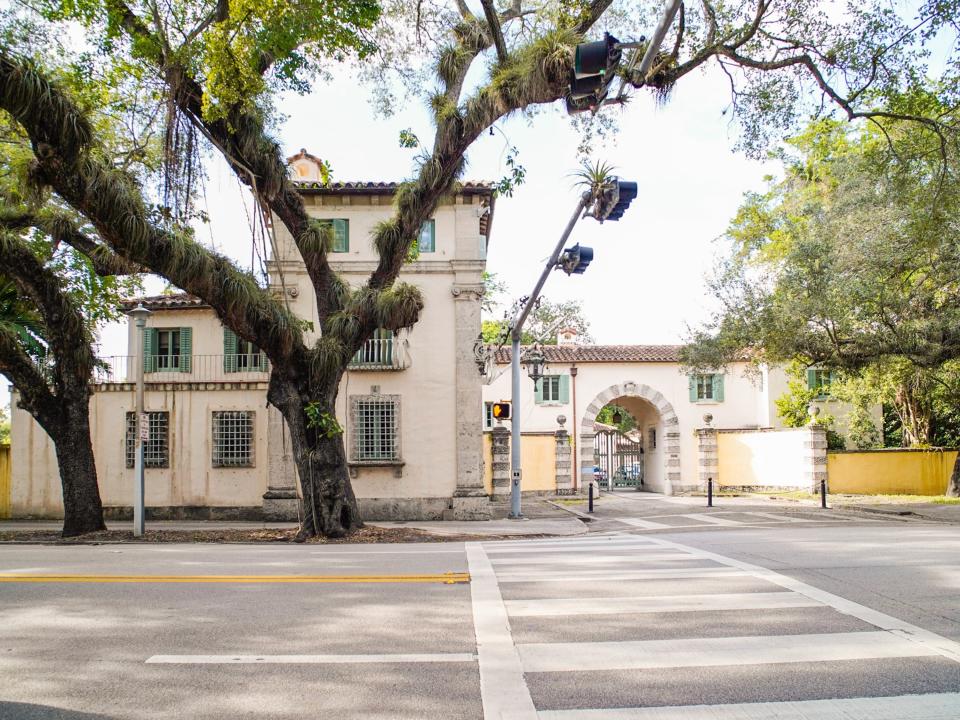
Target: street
<point>751,614</point>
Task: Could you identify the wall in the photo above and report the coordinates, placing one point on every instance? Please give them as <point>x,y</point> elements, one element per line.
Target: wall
<point>766,458</point>
<point>538,462</point>
<point>4,481</point>
<point>189,481</point>
<point>890,472</point>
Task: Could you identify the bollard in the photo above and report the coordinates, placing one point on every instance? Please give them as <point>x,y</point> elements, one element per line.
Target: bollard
<point>823,494</point>
<point>590,498</point>
<point>709,492</point>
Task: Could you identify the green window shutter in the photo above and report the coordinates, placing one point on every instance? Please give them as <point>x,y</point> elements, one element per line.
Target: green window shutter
<point>149,343</point>
<point>341,236</point>
<point>229,350</point>
<point>811,378</point>
<point>718,388</point>
<point>693,387</point>
<point>428,237</point>
<point>186,349</point>
<point>538,392</point>
<point>564,388</point>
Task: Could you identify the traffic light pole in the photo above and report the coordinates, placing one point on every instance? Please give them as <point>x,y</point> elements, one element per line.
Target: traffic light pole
<point>516,331</point>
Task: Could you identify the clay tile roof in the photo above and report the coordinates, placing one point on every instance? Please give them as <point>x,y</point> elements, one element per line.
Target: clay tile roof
<point>176,301</point>
<point>379,188</point>
<point>602,353</point>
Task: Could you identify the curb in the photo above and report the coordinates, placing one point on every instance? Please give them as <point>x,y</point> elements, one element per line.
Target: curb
<point>584,517</point>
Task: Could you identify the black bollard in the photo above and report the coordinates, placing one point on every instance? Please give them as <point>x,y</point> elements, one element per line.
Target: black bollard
<point>823,494</point>
<point>590,499</point>
<point>709,492</point>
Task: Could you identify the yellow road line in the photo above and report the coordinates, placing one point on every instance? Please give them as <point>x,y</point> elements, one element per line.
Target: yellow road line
<point>447,578</point>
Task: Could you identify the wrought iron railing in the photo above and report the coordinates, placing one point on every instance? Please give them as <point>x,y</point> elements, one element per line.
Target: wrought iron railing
<point>379,354</point>
<point>184,368</point>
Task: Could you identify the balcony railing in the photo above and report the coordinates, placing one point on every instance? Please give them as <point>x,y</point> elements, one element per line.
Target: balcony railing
<point>379,354</point>
<point>184,368</point>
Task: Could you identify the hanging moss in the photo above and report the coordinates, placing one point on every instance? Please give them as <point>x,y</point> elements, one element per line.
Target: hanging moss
<point>399,306</point>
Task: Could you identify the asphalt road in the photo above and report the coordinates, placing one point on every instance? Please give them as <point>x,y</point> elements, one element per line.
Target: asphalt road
<point>767,615</point>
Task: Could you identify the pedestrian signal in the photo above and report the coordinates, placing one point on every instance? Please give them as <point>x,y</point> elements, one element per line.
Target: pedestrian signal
<point>501,411</point>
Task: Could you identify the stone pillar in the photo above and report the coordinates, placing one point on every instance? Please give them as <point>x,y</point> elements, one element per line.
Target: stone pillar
<point>815,457</point>
<point>586,460</point>
<point>280,500</point>
<point>501,461</point>
<point>671,447</point>
<point>564,465</point>
<point>708,462</point>
<point>469,501</point>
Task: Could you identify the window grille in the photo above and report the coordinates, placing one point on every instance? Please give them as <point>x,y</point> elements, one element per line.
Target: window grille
<point>233,438</point>
<point>376,428</point>
<point>156,450</point>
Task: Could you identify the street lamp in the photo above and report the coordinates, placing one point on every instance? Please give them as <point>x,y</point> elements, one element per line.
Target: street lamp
<point>535,362</point>
<point>142,426</point>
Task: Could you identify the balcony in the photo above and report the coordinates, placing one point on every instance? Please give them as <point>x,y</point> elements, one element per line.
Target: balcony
<point>184,368</point>
<point>380,353</point>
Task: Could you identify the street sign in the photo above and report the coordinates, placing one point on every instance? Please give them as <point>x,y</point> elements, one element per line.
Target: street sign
<point>144,427</point>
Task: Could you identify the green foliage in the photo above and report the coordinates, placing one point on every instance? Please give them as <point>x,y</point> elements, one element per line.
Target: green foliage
<point>4,427</point>
<point>793,407</point>
<point>627,421</point>
<point>408,139</point>
<point>325,423</point>
<point>516,174</point>
<point>543,324</point>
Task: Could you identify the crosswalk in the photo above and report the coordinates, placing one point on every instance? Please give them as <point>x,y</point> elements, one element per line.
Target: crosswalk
<point>629,626</point>
<point>727,519</point>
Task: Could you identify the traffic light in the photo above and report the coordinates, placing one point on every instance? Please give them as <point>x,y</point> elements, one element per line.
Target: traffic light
<point>616,199</point>
<point>575,260</point>
<point>594,67</point>
<point>501,411</point>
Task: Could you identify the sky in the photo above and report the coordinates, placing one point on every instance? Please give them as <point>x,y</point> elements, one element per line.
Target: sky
<point>646,282</point>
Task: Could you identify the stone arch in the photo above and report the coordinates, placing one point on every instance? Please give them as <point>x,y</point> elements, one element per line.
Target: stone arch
<point>668,418</point>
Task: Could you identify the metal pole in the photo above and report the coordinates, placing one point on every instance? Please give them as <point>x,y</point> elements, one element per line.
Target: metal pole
<point>516,330</point>
<point>669,12</point>
<point>141,321</point>
<point>709,492</point>
<point>823,494</point>
<point>515,512</point>
<point>590,495</point>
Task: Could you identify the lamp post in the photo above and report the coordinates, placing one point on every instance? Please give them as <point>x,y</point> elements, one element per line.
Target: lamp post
<point>142,426</point>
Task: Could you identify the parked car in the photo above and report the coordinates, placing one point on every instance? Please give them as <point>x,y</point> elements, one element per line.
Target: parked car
<point>628,473</point>
<point>600,475</point>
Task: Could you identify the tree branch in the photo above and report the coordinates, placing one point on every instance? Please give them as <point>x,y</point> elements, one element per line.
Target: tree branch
<point>496,32</point>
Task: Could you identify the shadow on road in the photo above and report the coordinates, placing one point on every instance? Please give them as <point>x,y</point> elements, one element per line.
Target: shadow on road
<point>29,711</point>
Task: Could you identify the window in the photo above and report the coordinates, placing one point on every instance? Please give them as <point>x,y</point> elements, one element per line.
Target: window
<point>651,438</point>
<point>341,234</point>
<point>241,355</point>
<point>427,242</point>
<point>376,428</point>
<point>553,389</point>
<point>156,450</point>
<point>488,416</point>
<point>707,387</point>
<point>820,380</point>
<point>233,438</point>
<point>376,353</point>
<point>167,349</point>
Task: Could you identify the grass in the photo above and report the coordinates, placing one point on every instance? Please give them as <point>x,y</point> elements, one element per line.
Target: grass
<point>866,499</point>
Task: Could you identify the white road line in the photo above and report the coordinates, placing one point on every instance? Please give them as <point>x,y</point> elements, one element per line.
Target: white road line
<point>940,706</point>
<point>612,547</point>
<point>941,645</point>
<point>782,518</point>
<point>712,652</point>
<point>657,604</point>
<point>596,559</point>
<point>503,690</point>
<point>309,659</point>
<point>713,519</point>
<point>610,575</point>
<point>637,522</point>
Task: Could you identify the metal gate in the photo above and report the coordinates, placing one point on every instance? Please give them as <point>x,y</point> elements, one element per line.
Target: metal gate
<point>618,460</point>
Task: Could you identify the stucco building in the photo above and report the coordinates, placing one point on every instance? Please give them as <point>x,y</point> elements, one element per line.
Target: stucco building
<point>409,403</point>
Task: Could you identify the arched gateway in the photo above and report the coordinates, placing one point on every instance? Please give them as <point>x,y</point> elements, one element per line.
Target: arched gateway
<point>668,423</point>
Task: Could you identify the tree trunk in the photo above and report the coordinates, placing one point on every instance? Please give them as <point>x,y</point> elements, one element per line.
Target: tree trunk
<point>82,508</point>
<point>915,414</point>
<point>328,505</point>
<point>953,487</point>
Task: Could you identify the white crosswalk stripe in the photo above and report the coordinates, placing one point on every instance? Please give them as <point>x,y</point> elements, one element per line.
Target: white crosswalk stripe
<point>557,582</point>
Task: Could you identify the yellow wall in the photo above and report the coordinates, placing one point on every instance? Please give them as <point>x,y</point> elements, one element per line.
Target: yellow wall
<point>4,481</point>
<point>890,472</point>
<point>538,462</point>
<point>761,458</point>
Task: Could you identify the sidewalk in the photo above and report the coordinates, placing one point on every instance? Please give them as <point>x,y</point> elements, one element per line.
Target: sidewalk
<point>927,511</point>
